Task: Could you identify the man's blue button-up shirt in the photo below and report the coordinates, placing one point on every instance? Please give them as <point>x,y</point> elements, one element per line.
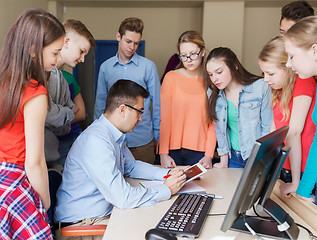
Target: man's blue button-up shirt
<point>93,178</point>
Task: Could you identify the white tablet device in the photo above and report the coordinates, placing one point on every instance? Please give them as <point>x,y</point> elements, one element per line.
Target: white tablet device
<point>194,171</point>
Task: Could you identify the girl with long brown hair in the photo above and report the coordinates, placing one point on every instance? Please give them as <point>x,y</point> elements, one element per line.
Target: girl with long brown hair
<point>239,106</point>
<point>31,49</point>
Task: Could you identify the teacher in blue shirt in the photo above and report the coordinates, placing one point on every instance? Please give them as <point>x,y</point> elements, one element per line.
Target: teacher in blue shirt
<point>93,178</point>
<point>127,64</point>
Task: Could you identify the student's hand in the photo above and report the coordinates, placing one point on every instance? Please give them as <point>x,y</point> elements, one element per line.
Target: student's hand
<point>287,188</point>
<point>167,161</point>
<point>176,181</point>
<point>75,109</point>
<point>223,162</point>
<point>206,162</point>
<point>312,199</point>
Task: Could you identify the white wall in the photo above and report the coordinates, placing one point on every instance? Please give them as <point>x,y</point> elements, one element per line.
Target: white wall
<point>243,25</point>
<point>162,26</point>
<point>261,24</point>
<point>10,9</point>
<point>223,25</point>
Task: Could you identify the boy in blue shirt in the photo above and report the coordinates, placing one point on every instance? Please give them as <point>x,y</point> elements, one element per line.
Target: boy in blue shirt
<point>127,64</point>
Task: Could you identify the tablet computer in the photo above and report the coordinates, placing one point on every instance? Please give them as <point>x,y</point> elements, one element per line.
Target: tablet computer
<point>194,172</point>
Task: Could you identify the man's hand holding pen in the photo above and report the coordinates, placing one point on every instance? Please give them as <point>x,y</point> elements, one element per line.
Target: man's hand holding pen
<point>174,170</point>
<point>175,179</point>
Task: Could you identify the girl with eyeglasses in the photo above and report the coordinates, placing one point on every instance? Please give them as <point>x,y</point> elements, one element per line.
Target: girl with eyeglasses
<point>239,105</point>
<point>293,101</point>
<point>300,43</point>
<point>187,134</point>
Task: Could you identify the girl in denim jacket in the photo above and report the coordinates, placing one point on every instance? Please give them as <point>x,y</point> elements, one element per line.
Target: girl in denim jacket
<point>239,105</point>
<point>293,101</point>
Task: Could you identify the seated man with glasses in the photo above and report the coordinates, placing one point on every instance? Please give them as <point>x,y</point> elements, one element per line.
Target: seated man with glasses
<point>93,178</point>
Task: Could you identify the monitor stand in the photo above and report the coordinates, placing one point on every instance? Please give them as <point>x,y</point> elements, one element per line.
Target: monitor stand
<point>269,228</point>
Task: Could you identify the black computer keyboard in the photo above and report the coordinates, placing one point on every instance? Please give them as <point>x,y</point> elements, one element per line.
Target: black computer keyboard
<point>186,215</point>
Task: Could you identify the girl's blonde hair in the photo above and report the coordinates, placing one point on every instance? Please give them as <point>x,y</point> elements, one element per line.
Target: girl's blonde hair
<point>273,52</point>
<point>303,34</point>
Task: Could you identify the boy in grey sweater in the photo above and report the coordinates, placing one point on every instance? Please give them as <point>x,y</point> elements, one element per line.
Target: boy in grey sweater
<point>63,111</point>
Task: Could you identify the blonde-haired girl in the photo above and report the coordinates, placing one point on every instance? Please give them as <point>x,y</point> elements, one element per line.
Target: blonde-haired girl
<point>293,100</point>
<point>301,46</point>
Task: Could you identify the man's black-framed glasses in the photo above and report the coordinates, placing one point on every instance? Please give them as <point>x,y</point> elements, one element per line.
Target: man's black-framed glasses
<point>192,56</point>
<point>138,110</point>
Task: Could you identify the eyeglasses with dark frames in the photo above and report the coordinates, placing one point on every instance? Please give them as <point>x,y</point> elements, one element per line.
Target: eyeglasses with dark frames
<point>138,110</point>
<point>192,56</point>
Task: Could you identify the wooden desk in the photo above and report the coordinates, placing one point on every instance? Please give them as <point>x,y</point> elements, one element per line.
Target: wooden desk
<point>306,210</point>
<point>132,224</point>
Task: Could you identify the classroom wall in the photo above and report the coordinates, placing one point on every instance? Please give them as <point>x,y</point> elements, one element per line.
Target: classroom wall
<point>9,10</point>
<point>261,23</point>
<point>243,25</point>
<point>162,26</point>
<point>223,24</point>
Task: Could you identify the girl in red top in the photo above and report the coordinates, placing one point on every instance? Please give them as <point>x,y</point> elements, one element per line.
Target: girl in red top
<point>187,135</point>
<point>293,101</point>
<point>31,49</point>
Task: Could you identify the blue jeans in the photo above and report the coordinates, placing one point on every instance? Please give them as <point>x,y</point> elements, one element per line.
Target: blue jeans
<point>236,160</point>
<point>185,156</point>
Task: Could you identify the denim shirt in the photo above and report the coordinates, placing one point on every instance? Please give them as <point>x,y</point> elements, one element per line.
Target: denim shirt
<point>254,117</point>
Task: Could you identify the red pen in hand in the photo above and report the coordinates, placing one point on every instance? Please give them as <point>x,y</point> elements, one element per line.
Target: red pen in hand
<point>168,175</point>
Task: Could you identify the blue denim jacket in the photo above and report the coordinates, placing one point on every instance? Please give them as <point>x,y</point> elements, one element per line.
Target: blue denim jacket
<point>254,117</point>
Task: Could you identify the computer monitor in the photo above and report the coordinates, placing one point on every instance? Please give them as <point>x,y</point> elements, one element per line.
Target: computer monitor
<point>255,186</point>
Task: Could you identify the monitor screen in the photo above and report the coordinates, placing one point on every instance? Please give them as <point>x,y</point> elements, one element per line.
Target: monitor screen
<point>255,186</point>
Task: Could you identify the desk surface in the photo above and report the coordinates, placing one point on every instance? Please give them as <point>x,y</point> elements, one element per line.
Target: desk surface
<point>133,223</point>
